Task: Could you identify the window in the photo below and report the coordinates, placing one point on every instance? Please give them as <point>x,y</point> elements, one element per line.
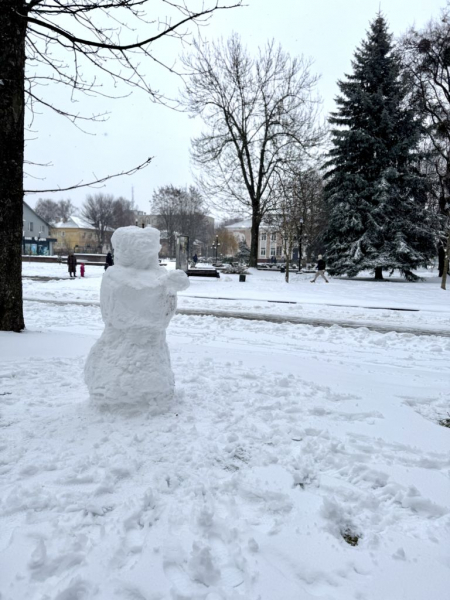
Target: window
<point>263,237</point>
<point>63,233</point>
<point>262,252</point>
<point>279,249</point>
<point>30,226</point>
<point>272,251</point>
<point>273,237</point>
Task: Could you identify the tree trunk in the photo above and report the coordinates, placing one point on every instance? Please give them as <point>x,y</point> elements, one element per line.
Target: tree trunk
<point>441,257</point>
<point>446,263</point>
<point>12,73</point>
<point>379,273</point>
<point>256,221</point>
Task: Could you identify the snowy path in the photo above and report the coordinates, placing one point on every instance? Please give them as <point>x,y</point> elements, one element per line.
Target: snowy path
<point>283,438</point>
<point>275,318</point>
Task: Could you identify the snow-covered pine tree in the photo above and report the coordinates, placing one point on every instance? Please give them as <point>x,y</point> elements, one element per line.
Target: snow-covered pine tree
<point>244,252</point>
<point>375,195</point>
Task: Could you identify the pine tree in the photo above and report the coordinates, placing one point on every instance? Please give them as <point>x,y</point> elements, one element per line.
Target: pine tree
<point>244,252</point>
<point>375,194</point>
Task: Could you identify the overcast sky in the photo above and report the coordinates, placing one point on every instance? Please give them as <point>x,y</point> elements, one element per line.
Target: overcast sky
<point>328,31</point>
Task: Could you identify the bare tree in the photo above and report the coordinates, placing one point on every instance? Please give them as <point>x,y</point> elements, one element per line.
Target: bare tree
<point>285,217</point>
<point>228,243</point>
<point>61,42</point>
<point>181,211</point>
<point>192,218</point>
<point>309,210</point>
<point>99,211</point>
<point>426,56</point>
<point>124,213</point>
<point>166,204</point>
<point>47,209</point>
<point>65,210</point>
<point>260,117</point>
<point>299,214</point>
<point>53,212</point>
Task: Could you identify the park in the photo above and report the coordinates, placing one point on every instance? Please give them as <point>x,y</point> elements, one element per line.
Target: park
<point>224,309</point>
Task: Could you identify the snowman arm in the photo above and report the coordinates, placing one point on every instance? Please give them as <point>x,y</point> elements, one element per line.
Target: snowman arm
<point>177,281</point>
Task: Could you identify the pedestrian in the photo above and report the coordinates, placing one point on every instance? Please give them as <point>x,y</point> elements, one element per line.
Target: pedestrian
<point>321,266</point>
<point>82,269</point>
<point>72,264</point>
<point>195,259</point>
<point>109,260</point>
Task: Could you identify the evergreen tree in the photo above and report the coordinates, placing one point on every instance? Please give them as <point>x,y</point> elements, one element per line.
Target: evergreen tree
<point>244,252</point>
<point>375,194</point>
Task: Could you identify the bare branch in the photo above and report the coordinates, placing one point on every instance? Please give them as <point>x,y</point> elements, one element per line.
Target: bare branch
<point>93,183</point>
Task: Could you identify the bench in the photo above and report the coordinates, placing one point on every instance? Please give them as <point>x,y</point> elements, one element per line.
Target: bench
<point>202,273</point>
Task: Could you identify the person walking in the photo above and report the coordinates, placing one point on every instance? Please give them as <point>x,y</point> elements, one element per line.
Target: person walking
<point>195,259</point>
<point>82,269</point>
<point>321,266</point>
<point>72,264</point>
<point>109,261</point>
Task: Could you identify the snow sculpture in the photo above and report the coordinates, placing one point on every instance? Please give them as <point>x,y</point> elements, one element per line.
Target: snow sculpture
<point>130,363</point>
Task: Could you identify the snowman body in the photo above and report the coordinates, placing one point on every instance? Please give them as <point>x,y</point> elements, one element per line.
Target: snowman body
<point>130,363</point>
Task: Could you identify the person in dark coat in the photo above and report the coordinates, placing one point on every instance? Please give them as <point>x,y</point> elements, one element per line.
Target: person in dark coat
<point>321,266</point>
<point>72,264</point>
<point>195,259</point>
<point>109,260</point>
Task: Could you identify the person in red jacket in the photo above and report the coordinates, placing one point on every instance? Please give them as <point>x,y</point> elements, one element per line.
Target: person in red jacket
<point>82,269</point>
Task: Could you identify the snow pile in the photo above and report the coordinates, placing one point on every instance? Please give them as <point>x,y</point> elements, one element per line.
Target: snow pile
<point>130,363</point>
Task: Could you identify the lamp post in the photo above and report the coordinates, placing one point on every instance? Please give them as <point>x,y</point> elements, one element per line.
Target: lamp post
<point>216,245</point>
<point>300,238</point>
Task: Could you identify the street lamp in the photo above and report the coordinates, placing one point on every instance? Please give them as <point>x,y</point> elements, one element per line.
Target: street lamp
<point>216,246</point>
<point>300,237</point>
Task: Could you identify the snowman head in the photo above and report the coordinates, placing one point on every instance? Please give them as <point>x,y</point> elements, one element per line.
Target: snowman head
<point>136,247</point>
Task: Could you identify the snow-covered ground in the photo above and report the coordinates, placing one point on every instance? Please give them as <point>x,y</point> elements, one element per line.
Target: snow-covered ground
<point>360,300</point>
<point>284,439</point>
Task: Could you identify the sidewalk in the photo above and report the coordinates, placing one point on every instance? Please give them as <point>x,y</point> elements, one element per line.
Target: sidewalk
<point>253,316</point>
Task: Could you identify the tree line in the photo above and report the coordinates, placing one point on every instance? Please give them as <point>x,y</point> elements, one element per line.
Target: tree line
<point>103,211</point>
<point>371,187</point>
<point>175,211</point>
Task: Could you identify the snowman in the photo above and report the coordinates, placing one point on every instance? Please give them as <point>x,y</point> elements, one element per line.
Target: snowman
<point>130,363</point>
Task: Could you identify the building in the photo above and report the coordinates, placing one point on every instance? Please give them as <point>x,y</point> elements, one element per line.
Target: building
<point>270,242</point>
<point>36,234</point>
<point>78,235</point>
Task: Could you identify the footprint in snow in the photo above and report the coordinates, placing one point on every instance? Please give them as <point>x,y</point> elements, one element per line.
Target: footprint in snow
<point>208,566</point>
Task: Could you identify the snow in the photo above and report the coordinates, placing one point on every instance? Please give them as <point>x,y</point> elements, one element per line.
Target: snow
<point>130,362</point>
<point>74,222</point>
<point>281,440</point>
<point>360,300</point>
